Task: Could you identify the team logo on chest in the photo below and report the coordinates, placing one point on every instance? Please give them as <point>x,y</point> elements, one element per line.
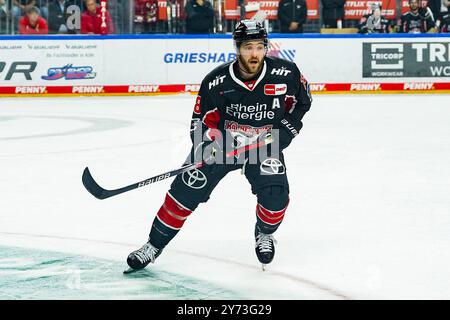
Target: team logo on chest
<point>258,111</point>
<point>280,71</point>
<point>216,81</point>
<point>275,89</point>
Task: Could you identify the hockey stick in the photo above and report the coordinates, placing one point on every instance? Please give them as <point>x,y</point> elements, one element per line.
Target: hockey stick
<point>100,193</point>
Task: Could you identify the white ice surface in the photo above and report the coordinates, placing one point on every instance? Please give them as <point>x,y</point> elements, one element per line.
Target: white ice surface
<point>369,175</point>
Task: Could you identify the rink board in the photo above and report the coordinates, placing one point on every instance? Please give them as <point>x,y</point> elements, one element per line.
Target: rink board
<point>161,64</point>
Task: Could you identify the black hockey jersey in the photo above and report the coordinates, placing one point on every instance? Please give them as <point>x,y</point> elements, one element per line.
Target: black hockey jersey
<point>277,99</point>
<point>444,22</point>
<point>417,23</point>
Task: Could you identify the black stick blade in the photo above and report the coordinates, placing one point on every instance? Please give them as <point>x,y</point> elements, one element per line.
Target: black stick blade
<point>92,186</point>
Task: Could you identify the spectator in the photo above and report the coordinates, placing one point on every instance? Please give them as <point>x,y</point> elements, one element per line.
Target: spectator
<point>444,22</point>
<point>292,15</point>
<point>3,16</point>
<point>32,22</point>
<point>374,22</point>
<point>438,7</point>
<point>146,14</point>
<point>332,13</point>
<point>91,20</point>
<point>119,13</point>
<point>58,16</point>
<point>20,7</point>
<point>199,16</point>
<point>417,20</point>
<point>442,18</point>
<point>43,6</point>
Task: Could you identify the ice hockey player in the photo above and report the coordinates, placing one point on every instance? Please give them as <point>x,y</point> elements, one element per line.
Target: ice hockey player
<point>242,101</point>
<point>444,22</point>
<point>417,19</point>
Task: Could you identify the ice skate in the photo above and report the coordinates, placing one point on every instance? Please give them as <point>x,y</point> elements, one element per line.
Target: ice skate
<point>264,247</point>
<point>140,258</point>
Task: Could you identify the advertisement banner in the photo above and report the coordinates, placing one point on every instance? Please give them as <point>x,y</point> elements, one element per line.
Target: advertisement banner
<point>270,7</point>
<point>396,59</point>
<point>357,9</point>
<point>404,5</point>
<point>162,10</point>
<point>232,10</point>
<point>313,9</point>
<point>45,62</point>
<point>165,89</point>
<point>170,65</point>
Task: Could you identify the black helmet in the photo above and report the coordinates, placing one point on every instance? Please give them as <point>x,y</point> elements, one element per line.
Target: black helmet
<point>249,30</point>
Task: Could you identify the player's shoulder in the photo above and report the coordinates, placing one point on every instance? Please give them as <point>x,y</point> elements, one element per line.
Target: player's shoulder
<point>426,12</point>
<point>281,67</point>
<point>276,61</point>
<point>41,20</point>
<point>221,69</point>
<point>218,72</point>
<point>407,14</point>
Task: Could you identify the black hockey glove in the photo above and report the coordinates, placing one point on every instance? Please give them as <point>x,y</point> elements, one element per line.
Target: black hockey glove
<point>283,137</point>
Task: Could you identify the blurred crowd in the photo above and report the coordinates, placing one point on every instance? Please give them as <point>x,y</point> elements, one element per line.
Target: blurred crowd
<point>203,17</point>
<point>432,18</point>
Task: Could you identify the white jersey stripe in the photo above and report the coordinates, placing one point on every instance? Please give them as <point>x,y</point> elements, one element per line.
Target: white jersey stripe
<point>174,215</point>
<point>273,212</point>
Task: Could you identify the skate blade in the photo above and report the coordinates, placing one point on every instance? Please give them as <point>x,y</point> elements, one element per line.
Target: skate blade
<point>130,270</point>
<point>264,267</point>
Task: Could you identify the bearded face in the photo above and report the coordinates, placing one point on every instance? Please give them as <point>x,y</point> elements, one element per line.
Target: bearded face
<point>414,5</point>
<point>251,56</point>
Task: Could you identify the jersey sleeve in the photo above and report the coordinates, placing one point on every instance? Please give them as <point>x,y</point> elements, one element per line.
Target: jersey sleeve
<point>23,26</point>
<point>206,116</point>
<point>303,13</point>
<point>43,27</point>
<point>429,20</point>
<point>363,25</point>
<point>402,28</point>
<point>282,15</point>
<point>296,105</point>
